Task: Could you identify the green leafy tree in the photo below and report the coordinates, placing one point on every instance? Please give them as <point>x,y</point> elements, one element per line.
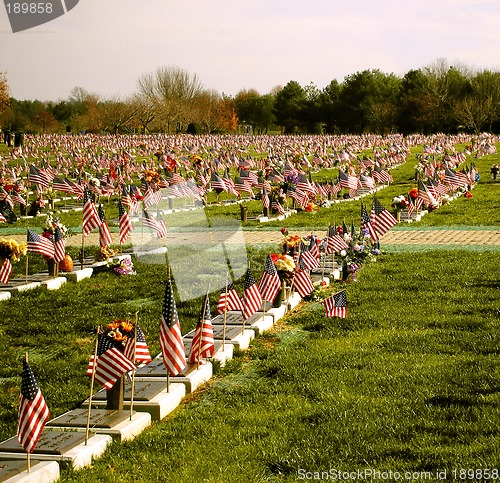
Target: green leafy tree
<point>289,107</point>
<point>368,102</point>
<point>254,109</point>
<point>329,112</point>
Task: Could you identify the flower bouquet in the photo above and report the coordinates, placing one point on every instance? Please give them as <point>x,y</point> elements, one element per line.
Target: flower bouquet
<point>51,224</point>
<point>10,251</point>
<point>121,266</point>
<point>105,253</point>
<point>400,202</point>
<point>292,242</point>
<point>119,331</point>
<point>284,266</point>
<point>361,249</point>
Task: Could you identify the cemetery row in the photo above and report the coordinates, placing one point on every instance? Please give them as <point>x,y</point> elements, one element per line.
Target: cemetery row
<point>123,409</point>
<point>127,405</point>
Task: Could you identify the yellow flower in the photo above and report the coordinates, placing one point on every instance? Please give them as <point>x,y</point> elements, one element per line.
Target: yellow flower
<point>119,336</point>
<point>127,326</point>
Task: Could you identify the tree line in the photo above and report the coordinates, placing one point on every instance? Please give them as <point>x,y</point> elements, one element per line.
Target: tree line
<point>435,98</point>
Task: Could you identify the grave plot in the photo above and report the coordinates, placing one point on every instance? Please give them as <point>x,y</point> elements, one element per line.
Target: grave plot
<point>122,424</point>
<point>191,377</point>
<point>66,447</point>
<point>157,397</point>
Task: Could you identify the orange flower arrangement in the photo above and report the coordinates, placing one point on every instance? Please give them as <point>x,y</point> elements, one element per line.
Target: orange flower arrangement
<point>120,331</point>
<point>413,193</point>
<point>151,176</point>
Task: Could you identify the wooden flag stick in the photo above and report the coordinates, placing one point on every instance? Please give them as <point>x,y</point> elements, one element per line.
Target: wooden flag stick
<point>201,328</point>
<point>26,276</point>
<point>83,251</point>
<point>225,316</point>
<point>132,388</point>
<point>28,456</point>
<point>168,373</point>
<point>92,385</point>
<point>243,309</point>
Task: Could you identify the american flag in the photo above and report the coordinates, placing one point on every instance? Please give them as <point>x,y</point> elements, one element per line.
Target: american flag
<point>157,225</point>
<point>37,176</point>
<point>366,224</point>
<point>313,248</point>
<point>242,186</point>
<point>124,222</point>
<point>105,238</point>
<point>5,271</point>
<point>59,184</point>
<point>269,283</point>
<point>336,305</point>
<point>278,207</point>
<point>249,177</point>
<point>111,362</point>
<point>411,205</point>
<point>334,188</point>
<point>172,347</point>
<point>77,188</point>
<point>33,411</point>
<point>265,199</point>
<point>300,197</point>
<point>59,245</point>
<point>302,283</point>
<point>335,244</point>
<point>308,260</point>
<point>17,198</point>
<point>126,200</point>
<point>381,219</point>
<point>91,218</point>
<point>264,184</point>
<point>425,195</point>
<point>229,300</point>
<point>203,344</point>
<point>381,176</point>
<point>450,177</point>
<point>303,184</point>
<point>367,182</point>
<point>348,181</point>
<point>142,353</point>
<point>229,183</point>
<point>4,196</point>
<point>251,299</point>
<point>216,182</point>
<point>40,244</point>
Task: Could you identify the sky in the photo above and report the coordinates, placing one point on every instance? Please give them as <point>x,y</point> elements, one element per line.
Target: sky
<point>105,46</point>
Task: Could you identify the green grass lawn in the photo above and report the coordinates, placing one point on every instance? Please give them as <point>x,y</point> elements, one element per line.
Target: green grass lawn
<point>410,381</point>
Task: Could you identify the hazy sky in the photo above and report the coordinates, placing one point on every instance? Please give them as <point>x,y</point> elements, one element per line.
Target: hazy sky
<point>104,46</point>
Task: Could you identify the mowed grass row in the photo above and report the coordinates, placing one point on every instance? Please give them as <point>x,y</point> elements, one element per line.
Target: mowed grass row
<point>410,381</point>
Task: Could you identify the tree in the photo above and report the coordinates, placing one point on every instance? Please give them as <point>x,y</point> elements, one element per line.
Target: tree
<point>480,109</point>
<point>368,101</point>
<point>444,85</point>
<point>254,109</point>
<point>328,106</point>
<point>289,107</point>
<point>412,116</point>
<point>172,91</point>
<point>144,111</point>
<point>312,109</point>
<point>206,115</point>
<point>116,115</point>
<point>4,92</point>
<point>85,113</point>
